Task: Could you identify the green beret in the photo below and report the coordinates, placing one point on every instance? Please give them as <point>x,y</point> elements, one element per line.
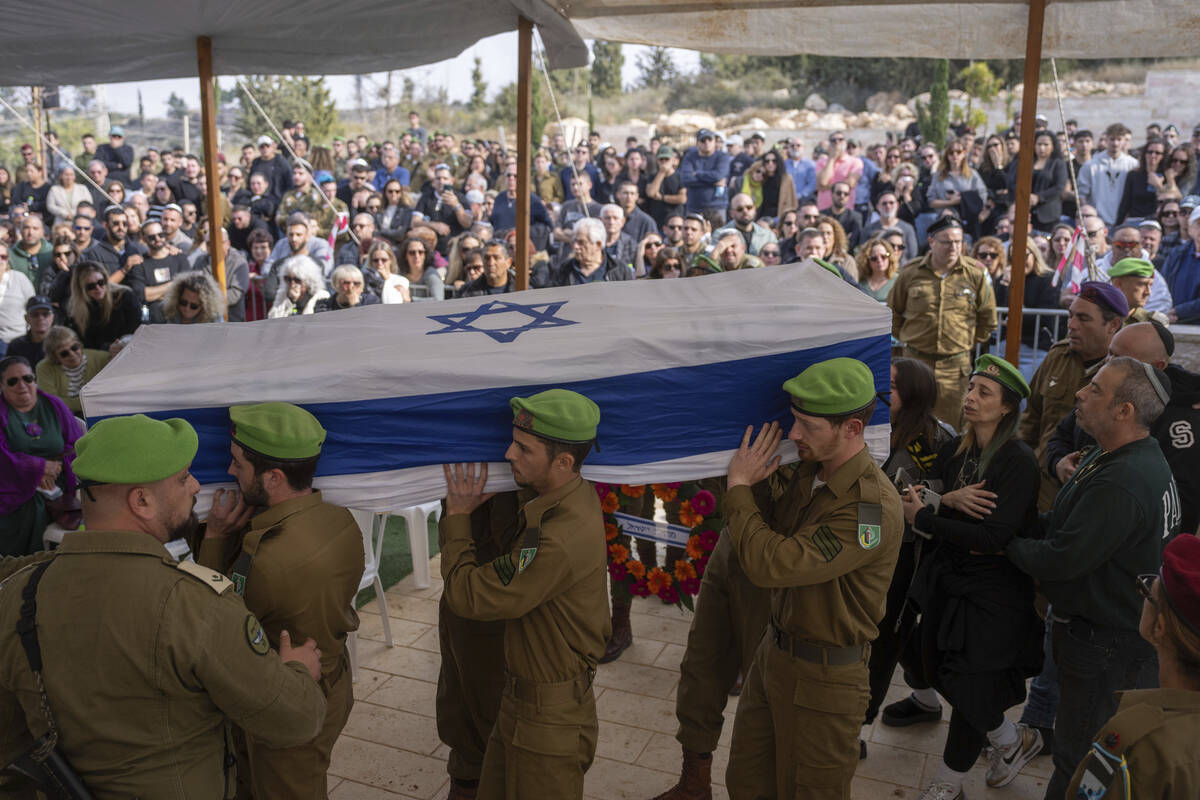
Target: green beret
<point>832,388</point>
<point>706,261</point>
<point>557,414</point>
<point>1001,372</point>
<point>826,265</point>
<point>1132,266</point>
<point>135,449</point>
<point>278,431</point>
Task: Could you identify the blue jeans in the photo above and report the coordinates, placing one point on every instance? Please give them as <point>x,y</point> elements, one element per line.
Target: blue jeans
<point>1042,704</point>
<point>1093,664</point>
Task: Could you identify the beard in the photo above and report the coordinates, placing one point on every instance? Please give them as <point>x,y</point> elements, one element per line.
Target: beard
<point>255,494</point>
<point>185,529</point>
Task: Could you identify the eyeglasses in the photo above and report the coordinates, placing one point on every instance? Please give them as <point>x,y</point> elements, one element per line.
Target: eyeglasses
<point>189,304</point>
<point>66,351</point>
<point>292,279</point>
<point>1145,582</point>
<point>351,283</point>
<point>394,191</point>
<point>381,260</point>
<point>654,244</point>
<point>94,285</point>
<point>414,252</point>
<point>158,235</point>
<point>83,227</point>
<point>1156,152</point>
<point>672,227</point>
<point>14,380</point>
<point>1178,160</point>
<point>672,265</point>
<point>984,255</point>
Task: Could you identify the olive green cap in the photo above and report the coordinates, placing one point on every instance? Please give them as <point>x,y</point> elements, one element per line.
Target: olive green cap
<point>832,388</point>
<point>1001,372</point>
<point>1132,266</point>
<point>278,431</point>
<point>558,414</point>
<point>134,449</point>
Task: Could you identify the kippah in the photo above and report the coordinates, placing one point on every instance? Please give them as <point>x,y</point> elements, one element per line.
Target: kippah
<point>1168,338</point>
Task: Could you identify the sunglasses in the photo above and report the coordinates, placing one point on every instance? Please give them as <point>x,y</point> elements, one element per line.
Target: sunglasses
<point>158,235</point>
<point>293,279</point>
<point>654,244</point>
<point>83,227</point>
<point>984,256</point>
<point>1145,582</point>
<point>414,252</point>
<point>94,285</point>
<point>1183,160</point>
<point>675,265</point>
<point>66,351</point>
<point>1168,213</point>
<point>13,381</point>
<point>189,304</point>
<point>1156,152</point>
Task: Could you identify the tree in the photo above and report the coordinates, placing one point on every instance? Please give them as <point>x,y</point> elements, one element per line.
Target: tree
<point>478,86</point>
<point>85,98</point>
<point>288,97</point>
<point>935,119</point>
<point>980,84</point>
<point>176,107</point>
<point>408,93</point>
<point>656,68</point>
<point>607,61</point>
<point>537,109</point>
<point>141,110</point>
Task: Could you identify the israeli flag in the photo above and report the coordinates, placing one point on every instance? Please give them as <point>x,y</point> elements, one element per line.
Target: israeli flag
<point>679,368</point>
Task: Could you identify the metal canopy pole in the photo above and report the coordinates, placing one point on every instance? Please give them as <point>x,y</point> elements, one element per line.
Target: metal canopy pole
<point>1025,158</point>
<point>212,199</point>
<point>524,158</point>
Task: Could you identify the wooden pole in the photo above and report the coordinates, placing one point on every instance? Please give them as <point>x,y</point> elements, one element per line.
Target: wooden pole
<point>1020,236</point>
<point>36,93</point>
<point>524,158</point>
<point>212,199</point>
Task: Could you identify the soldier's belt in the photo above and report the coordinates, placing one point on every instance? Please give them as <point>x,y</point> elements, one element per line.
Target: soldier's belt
<point>807,651</point>
<point>528,691</point>
<point>935,356</point>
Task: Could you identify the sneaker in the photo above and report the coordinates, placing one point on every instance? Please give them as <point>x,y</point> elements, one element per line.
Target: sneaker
<point>1004,764</point>
<point>942,791</point>
<point>908,711</point>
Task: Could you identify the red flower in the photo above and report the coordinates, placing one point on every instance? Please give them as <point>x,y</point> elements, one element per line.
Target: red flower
<point>688,517</point>
<point>657,580</point>
<point>601,489</point>
<point>617,571</point>
<point>703,502</point>
<point>700,565</point>
<point>640,589</point>
<point>690,586</point>
<point>633,491</point>
<point>708,539</point>
<point>610,531</point>
<point>695,547</point>
<point>610,502</point>
<point>684,570</point>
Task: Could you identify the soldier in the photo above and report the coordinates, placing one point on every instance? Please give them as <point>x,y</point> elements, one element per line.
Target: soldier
<point>298,567</point>
<point>307,198</point>
<point>145,659</point>
<point>1148,748</point>
<point>471,678</point>
<point>823,538</point>
<point>731,614</point>
<point>1134,277</point>
<point>551,590</point>
<point>942,306</point>
<point>1095,315</point>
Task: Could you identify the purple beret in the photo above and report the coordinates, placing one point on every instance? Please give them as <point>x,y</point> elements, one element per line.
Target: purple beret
<point>1105,295</point>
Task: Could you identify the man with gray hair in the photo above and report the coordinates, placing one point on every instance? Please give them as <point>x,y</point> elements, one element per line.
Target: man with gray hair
<point>363,225</point>
<point>618,245</point>
<point>589,263</point>
<point>1108,525</point>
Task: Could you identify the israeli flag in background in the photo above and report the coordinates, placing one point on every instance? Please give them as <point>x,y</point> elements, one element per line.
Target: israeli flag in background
<point>679,368</point>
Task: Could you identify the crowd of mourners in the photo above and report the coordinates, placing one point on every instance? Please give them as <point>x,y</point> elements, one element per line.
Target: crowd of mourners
<point>924,227</point>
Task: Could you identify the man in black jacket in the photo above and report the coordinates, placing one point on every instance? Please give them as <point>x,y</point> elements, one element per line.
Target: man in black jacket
<point>274,166</point>
<point>117,253</point>
<point>497,277</point>
<point>116,155</point>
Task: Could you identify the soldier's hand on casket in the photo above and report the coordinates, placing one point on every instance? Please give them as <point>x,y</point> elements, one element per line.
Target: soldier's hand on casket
<point>755,461</point>
<point>464,489</point>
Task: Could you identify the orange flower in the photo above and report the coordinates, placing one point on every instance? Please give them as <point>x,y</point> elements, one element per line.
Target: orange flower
<point>611,532</point>
<point>619,553</point>
<point>610,503</point>
<point>688,517</point>
<point>633,491</point>
<point>657,580</point>
<point>665,492</point>
<point>694,548</point>
<point>637,569</point>
<point>684,570</point>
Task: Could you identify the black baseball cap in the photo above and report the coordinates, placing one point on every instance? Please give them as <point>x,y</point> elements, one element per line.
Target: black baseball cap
<point>38,301</point>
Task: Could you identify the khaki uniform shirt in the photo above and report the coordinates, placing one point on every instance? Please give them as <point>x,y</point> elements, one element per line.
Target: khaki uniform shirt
<point>307,564</point>
<point>549,187</point>
<point>815,548</point>
<point>1061,374</point>
<point>552,587</point>
<point>942,316</point>
<point>310,202</point>
<point>145,661</point>
<point>1155,730</point>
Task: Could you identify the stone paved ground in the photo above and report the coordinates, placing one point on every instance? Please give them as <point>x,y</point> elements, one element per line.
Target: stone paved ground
<point>390,747</point>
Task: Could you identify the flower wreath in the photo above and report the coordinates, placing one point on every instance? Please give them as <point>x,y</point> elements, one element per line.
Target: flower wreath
<point>686,504</point>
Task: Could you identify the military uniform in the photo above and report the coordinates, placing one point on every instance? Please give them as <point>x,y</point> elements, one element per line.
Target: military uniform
<point>551,590</point>
<point>1061,374</point>
<point>1143,314</point>
<point>471,678</point>
<point>549,187</point>
<point>826,551</point>
<point>939,320</point>
<point>309,201</point>
<point>298,569</point>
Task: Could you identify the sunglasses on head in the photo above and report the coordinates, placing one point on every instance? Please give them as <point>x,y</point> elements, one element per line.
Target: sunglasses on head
<point>66,351</point>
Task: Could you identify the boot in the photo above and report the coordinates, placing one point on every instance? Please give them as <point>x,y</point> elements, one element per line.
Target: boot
<point>622,633</point>
<point>460,791</point>
<point>695,780</point>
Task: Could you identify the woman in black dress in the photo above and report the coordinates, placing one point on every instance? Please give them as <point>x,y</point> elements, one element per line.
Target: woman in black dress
<point>979,636</point>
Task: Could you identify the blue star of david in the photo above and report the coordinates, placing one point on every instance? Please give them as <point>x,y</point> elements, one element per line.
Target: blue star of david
<point>541,315</point>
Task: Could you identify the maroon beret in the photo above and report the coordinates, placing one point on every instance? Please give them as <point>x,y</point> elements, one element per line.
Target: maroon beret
<point>1181,578</point>
<point>1105,295</point>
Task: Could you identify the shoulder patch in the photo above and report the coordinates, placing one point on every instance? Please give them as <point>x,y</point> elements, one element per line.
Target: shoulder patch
<point>526,558</point>
<point>505,568</point>
<point>827,542</point>
<point>209,577</point>
<point>870,525</point>
<point>255,636</point>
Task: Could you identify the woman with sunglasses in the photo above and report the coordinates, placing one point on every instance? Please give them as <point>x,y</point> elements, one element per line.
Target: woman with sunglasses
<point>958,187</point>
<point>1179,171</point>
<point>395,215</point>
<point>301,287</point>
<point>1147,748</point>
<point>382,274</point>
<point>192,297</point>
<point>877,267</point>
<point>37,445</point>
<point>769,186</point>
<point>667,264</point>
<point>647,253</point>
<point>1174,226</point>
<point>1139,198</point>
<point>68,366</point>
<point>417,266</point>
<point>99,311</point>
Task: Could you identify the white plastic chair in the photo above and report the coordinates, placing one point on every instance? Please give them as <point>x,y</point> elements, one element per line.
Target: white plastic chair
<point>179,550</point>
<point>372,527</point>
<point>416,520</point>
